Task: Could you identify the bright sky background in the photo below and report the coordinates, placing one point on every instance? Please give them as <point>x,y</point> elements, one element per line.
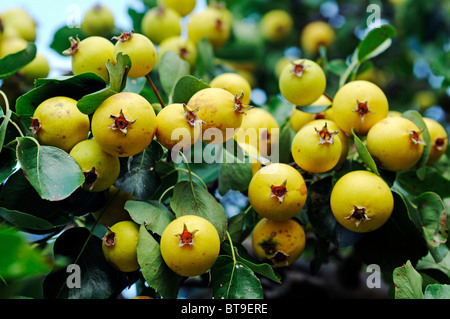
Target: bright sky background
<point>51,15</point>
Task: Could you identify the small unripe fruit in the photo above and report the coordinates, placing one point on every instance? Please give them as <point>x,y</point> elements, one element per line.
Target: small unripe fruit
<point>58,122</point>
<point>316,34</point>
<point>276,25</point>
<point>141,51</point>
<point>302,82</point>
<point>160,23</point>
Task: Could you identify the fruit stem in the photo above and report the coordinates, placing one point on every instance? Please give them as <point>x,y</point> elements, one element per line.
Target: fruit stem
<point>232,248</point>
<point>155,90</point>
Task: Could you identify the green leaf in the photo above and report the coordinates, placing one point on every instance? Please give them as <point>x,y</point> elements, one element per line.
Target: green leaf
<point>408,282</point>
<point>434,224</point>
<point>73,86</point>
<point>90,102</point>
<point>233,175</point>
<point>437,291</point>
<point>12,63</point>
<point>416,118</point>
<point>25,221</point>
<point>155,271</point>
<point>186,87</point>
<point>364,153</point>
<point>138,175</point>
<point>19,260</point>
<point>432,181</point>
<point>313,109</point>
<point>8,163</point>
<point>287,134</point>
<point>375,42</point>
<point>204,65</point>
<point>153,215</point>
<point>193,199</point>
<point>98,279</point>
<point>118,72</point>
<point>230,280</point>
<point>3,128</point>
<point>171,68</point>
<point>51,171</point>
<point>279,108</point>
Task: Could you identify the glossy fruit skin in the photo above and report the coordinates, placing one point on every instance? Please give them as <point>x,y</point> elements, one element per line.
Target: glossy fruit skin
<point>299,118</point>
<point>89,155</point>
<point>141,128</point>
<point>98,21</point>
<point>184,48</point>
<point>261,197</point>
<point>345,140</point>
<point>160,23</point>
<point>190,259</point>
<point>91,56</point>
<point>172,120</point>
<point>280,243</point>
<point>311,154</point>
<point>276,25</point>
<point>21,21</point>
<point>212,24</point>
<point>362,189</point>
<point>233,83</point>
<point>61,124</point>
<point>316,34</point>
<point>305,89</point>
<point>260,129</point>
<point>391,145</point>
<point>345,104</point>
<point>439,140</point>
<point>123,254</point>
<point>182,7</point>
<point>141,51</point>
<point>114,210</point>
<point>36,69</point>
<point>217,110</point>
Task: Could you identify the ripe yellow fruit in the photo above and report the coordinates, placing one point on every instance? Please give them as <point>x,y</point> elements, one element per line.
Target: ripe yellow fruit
<point>260,129</point>
<point>160,23</point>
<point>302,82</point>
<point>221,112</point>
<point>184,48</point>
<point>316,34</point>
<point>182,7</point>
<point>90,55</point>
<point>114,210</point>
<point>439,140</point>
<point>276,25</point>
<point>98,21</point>
<point>359,105</point>
<point>119,246</point>
<point>141,51</point>
<point>345,141</point>
<point>12,45</point>
<point>21,21</point>
<point>190,245</point>
<point>58,122</point>
<point>176,125</point>
<point>277,192</point>
<point>316,148</point>
<point>212,24</point>
<point>36,69</point>
<point>100,169</point>
<point>361,201</point>
<point>299,118</point>
<point>124,124</point>
<point>395,143</point>
<point>233,83</point>
<point>280,243</point>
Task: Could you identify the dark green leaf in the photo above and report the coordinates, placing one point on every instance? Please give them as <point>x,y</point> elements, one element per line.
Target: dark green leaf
<point>375,42</point>
<point>287,134</point>
<point>233,175</point>
<point>364,153</point>
<point>73,86</point>
<point>3,128</point>
<point>138,175</point>
<point>186,87</point>
<point>25,221</point>
<point>153,267</point>
<point>231,280</point>
<point>12,63</point>
<point>51,171</point>
<point>98,279</point>
<point>153,215</point>
<point>8,163</point>
<point>193,199</point>
<point>432,181</point>
<point>408,282</point>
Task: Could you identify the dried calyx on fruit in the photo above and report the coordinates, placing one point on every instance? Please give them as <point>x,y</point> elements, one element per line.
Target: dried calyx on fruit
<point>325,136</point>
<point>191,115</point>
<point>416,137</point>
<point>299,68</point>
<point>124,36</point>
<point>186,237</point>
<point>279,191</point>
<point>359,214</point>
<point>74,43</point>
<point>362,108</point>
<point>239,105</point>
<point>121,123</point>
